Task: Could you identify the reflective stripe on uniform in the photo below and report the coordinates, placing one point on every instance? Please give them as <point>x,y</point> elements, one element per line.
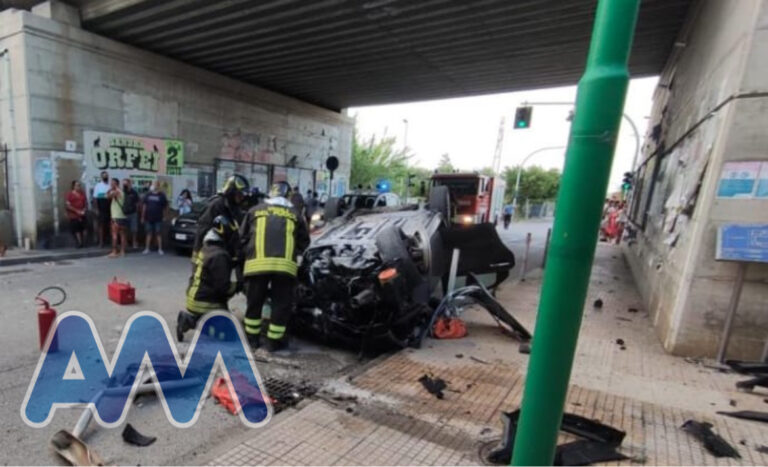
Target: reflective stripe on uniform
<point>289,226</point>
<point>275,331</point>
<point>252,330</point>
<point>267,265</point>
<point>196,306</point>
<point>252,321</point>
<point>261,224</point>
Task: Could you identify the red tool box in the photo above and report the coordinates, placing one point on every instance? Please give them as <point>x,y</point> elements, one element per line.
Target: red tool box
<point>121,293</point>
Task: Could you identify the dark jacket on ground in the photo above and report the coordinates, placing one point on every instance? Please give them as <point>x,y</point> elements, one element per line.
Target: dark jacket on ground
<point>210,286</point>
<point>272,236</point>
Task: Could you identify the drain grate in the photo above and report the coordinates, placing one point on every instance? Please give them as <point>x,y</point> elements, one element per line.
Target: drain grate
<point>286,394</point>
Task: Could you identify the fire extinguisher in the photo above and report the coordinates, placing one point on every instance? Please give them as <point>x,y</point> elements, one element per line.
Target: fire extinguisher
<point>46,316</point>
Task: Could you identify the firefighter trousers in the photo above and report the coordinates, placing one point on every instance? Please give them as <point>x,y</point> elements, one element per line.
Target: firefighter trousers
<point>280,288</point>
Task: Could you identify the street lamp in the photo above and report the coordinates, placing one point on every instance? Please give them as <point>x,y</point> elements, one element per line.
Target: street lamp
<point>624,116</point>
<point>520,170</point>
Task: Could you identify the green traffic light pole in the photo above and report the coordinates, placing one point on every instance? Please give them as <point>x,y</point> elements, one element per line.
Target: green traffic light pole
<point>599,104</point>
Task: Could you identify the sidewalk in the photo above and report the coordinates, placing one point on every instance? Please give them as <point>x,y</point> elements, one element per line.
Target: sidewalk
<point>388,417</point>
<point>16,256</point>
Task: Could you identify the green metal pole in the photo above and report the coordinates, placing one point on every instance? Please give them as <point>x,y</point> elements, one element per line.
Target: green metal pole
<point>599,105</point>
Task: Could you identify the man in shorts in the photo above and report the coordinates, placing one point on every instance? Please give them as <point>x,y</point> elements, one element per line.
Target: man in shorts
<point>152,213</point>
<point>76,212</point>
<point>119,221</point>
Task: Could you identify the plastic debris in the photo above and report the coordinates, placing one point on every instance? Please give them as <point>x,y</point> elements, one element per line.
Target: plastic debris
<point>713,442</point>
<point>433,385</point>
<point>131,436</point>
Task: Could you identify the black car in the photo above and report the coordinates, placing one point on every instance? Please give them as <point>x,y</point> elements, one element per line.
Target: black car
<point>181,235</point>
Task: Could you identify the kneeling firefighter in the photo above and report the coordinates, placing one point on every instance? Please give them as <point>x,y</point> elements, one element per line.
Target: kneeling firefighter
<point>227,202</point>
<point>210,286</point>
<point>272,236</point>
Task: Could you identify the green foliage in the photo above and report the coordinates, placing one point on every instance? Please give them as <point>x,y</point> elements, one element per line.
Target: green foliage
<point>377,159</point>
<point>536,184</point>
<point>445,165</point>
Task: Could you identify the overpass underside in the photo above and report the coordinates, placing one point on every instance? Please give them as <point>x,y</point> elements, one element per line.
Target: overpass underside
<point>343,53</point>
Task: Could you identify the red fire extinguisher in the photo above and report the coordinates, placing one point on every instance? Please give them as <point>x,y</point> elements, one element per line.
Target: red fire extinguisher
<point>46,316</point>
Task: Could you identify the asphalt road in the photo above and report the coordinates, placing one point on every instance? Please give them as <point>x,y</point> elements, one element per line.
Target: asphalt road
<point>160,282</point>
<point>514,237</point>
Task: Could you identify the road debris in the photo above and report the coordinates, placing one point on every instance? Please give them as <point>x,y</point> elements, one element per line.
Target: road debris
<point>524,348</point>
<point>131,436</point>
<point>478,360</point>
<point>620,341</point>
<point>599,443</point>
<point>748,415</point>
<point>434,386</point>
<point>632,310</point>
<point>73,450</point>
<point>714,443</point>
<point>598,303</point>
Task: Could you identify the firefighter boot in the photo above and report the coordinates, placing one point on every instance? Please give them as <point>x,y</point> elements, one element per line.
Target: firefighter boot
<point>184,322</point>
<point>253,341</point>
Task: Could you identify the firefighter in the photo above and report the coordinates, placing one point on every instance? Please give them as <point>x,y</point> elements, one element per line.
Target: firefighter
<point>272,236</point>
<point>210,286</point>
<point>226,202</point>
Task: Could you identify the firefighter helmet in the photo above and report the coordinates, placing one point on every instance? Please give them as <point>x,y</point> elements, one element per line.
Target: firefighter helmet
<point>221,230</point>
<point>235,184</point>
<point>281,189</point>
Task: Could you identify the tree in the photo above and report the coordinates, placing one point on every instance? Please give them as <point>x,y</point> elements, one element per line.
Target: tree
<point>445,165</point>
<point>378,159</point>
<point>536,184</point>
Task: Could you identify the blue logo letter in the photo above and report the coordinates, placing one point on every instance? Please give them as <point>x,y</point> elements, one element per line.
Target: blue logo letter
<point>80,375</point>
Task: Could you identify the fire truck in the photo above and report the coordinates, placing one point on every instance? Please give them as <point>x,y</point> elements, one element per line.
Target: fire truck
<point>475,198</point>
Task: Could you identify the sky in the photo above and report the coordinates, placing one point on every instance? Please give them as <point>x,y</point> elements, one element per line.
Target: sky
<point>467,128</point>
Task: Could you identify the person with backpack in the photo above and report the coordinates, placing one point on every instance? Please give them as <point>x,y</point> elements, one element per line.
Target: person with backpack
<point>131,210</point>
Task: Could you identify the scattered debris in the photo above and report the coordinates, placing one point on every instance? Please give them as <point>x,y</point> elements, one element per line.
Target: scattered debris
<point>732,403</point>
<point>586,452</point>
<point>524,348</point>
<point>624,347</point>
<point>743,442</point>
<point>131,436</point>
<point>434,386</point>
<point>73,449</point>
<point>478,360</point>
<point>459,355</point>
<point>620,341</point>
<point>749,384</point>
<point>752,368</point>
<point>632,310</point>
<point>748,415</point>
<point>713,442</point>
<point>598,303</point>
<point>762,449</point>
<point>621,318</point>
<point>349,410</point>
<point>599,445</point>
<point>449,328</point>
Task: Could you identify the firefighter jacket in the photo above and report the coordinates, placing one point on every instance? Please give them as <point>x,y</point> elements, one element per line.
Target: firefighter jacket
<point>217,206</point>
<point>272,236</point>
<point>210,287</point>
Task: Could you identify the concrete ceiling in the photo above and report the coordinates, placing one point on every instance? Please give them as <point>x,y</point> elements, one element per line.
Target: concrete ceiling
<point>343,53</point>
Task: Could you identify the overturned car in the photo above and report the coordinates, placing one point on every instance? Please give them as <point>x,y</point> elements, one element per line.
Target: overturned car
<point>373,278</point>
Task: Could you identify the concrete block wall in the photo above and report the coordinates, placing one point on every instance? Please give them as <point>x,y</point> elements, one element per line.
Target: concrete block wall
<point>713,111</point>
<point>78,81</point>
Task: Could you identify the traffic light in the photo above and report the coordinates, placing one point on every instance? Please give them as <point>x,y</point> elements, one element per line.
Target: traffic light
<point>523,117</point>
<point>626,183</point>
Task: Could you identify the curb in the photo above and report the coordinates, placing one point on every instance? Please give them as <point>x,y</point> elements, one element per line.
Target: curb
<point>14,261</point>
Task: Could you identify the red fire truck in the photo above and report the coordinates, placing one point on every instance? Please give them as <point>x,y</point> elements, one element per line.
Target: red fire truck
<point>475,198</point>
